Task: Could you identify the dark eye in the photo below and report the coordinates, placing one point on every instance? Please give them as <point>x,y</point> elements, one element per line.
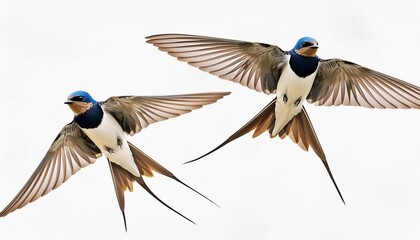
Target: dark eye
<point>77,98</point>
<point>306,44</point>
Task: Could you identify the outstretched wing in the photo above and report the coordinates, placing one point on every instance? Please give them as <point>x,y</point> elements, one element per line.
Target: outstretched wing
<point>70,151</point>
<point>339,82</point>
<point>136,112</point>
<point>255,65</point>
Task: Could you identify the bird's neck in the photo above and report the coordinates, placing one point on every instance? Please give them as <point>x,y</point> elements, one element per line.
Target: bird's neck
<point>91,118</point>
<point>301,65</point>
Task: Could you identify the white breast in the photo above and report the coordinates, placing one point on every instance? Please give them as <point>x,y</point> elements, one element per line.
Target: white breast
<point>110,139</point>
<point>292,91</point>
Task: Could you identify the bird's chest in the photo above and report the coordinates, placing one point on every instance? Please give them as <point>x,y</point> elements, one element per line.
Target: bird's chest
<point>108,136</point>
<point>292,87</point>
<point>292,91</point>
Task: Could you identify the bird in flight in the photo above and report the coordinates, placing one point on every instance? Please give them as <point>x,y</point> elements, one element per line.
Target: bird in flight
<point>293,76</point>
<point>100,128</point>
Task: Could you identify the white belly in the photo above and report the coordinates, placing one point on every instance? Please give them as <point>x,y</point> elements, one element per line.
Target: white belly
<point>110,139</point>
<point>296,89</point>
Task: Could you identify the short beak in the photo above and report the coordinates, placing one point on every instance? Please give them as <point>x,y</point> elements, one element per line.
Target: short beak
<point>315,46</point>
<point>68,102</point>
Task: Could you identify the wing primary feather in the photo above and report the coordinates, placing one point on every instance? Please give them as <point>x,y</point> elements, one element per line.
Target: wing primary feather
<point>252,64</point>
<point>66,152</point>
<point>340,82</point>
<point>135,113</point>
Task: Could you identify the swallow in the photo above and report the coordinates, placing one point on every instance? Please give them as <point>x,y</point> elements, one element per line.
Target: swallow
<point>100,129</point>
<point>294,76</point>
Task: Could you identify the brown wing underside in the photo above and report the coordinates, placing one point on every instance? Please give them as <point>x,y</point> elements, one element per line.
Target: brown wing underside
<point>251,64</point>
<point>135,113</point>
<point>71,151</point>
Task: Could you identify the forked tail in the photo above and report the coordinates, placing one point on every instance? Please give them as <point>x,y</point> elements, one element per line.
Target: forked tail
<point>123,179</point>
<point>299,130</point>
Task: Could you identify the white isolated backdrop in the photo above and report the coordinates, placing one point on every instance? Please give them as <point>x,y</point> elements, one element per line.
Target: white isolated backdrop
<point>267,188</point>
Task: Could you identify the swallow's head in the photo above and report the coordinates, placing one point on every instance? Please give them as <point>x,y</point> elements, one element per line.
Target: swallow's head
<point>306,47</point>
<point>79,102</point>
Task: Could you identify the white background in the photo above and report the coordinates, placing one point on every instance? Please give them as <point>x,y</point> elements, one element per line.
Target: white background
<point>267,188</point>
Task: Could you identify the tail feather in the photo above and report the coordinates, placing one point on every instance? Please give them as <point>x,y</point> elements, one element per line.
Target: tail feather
<point>144,161</point>
<point>122,180</point>
<point>259,122</point>
<point>299,130</point>
<point>140,181</point>
<point>267,118</point>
